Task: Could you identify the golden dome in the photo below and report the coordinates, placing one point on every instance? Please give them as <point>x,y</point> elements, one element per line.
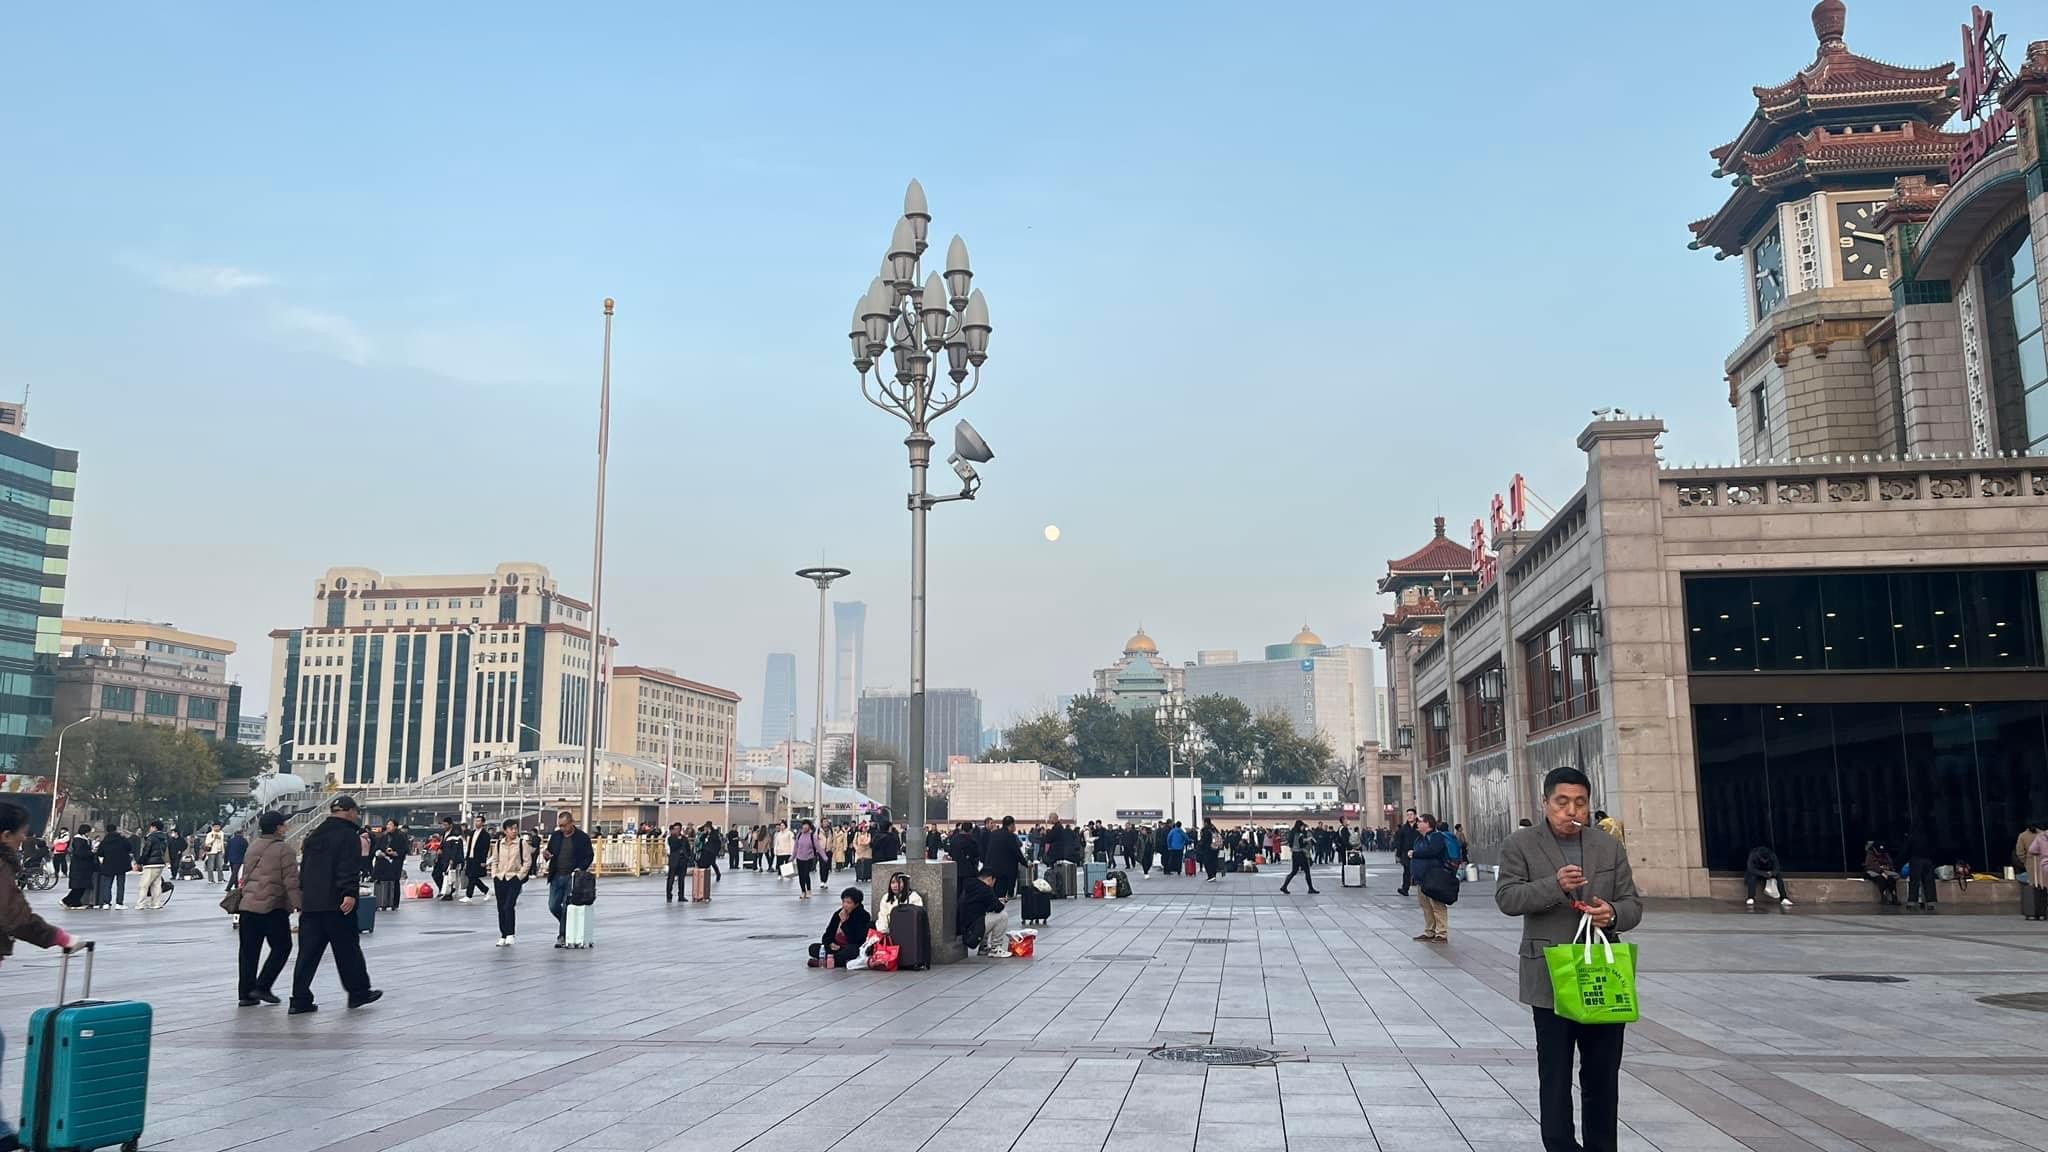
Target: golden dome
<point>1140,643</point>
<point>1307,637</point>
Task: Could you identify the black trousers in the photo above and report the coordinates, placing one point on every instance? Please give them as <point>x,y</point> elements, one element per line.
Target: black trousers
<point>1920,885</point>
<point>1753,882</point>
<point>1301,868</point>
<point>803,873</point>
<point>318,932</point>
<point>1212,862</point>
<point>257,929</point>
<point>473,881</point>
<point>1599,1048</point>
<point>678,880</point>
<point>732,855</point>
<point>508,904</point>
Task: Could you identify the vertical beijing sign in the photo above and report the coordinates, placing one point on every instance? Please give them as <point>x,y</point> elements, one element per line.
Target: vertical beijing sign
<point>1983,74</point>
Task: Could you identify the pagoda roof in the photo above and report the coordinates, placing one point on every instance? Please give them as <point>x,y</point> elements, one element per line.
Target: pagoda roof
<point>1399,618</point>
<point>1823,158</point>
<point>1435,558</point>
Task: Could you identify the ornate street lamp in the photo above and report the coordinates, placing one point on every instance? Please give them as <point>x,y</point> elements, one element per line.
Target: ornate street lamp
<point>1171,714</point>
<point>900,326</point>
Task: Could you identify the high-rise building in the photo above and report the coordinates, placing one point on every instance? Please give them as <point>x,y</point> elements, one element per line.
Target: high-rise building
<point>952,718</point>
<point>660,716</point>
<point>1326,689</point>
<point>849,625</point>
<point>132,670</point>
<point>400,677</point>
<point>249,730</point>
<point>778,699</point>
<point>36,495</point>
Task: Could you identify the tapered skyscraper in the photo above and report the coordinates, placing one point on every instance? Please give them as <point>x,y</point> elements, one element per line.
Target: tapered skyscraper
<point>849,624</point>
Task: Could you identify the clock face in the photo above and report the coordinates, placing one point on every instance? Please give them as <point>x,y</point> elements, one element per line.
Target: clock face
<point>1768,273</point>
<point>1861,249</point>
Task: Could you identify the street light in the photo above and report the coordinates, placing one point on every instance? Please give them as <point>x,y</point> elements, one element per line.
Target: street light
<point>913,322</point>
<point>57,778</point>
<point>1172,718</point>
<point>604,427</point>
<point>823,578</point>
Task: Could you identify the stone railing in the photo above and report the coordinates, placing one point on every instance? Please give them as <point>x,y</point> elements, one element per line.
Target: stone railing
<point>1429,658</point>
<point>1856,485</point>
<point>1556,536</point>
<point>1478,612</point>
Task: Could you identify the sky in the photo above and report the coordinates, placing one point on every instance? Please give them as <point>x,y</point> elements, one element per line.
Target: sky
<point>1271,286</point>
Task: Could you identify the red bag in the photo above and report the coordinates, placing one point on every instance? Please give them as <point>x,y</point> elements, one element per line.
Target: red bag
<point>1021,944</point>
<point>1191,865</point>
<point>883,957</point>
<point>425,891</point>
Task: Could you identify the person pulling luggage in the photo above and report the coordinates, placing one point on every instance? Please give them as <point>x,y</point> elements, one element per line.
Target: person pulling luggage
<point>18,921</point>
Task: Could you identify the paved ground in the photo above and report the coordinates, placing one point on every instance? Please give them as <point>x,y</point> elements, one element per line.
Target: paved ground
<point>699,1029</point>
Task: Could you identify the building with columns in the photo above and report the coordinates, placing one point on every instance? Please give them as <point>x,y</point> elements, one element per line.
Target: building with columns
<point>1842,639</point>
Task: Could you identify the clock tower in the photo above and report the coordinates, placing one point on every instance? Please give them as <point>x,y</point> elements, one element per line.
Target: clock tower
<point>1809,174</point>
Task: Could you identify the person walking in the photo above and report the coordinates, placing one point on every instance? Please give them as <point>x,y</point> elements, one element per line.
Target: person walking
<point>18,921</point>
<point>863,854</point>
<point>710,848</point>
<point>785,845</point>
<point>387,864</point>
<point>1003,858</point>
<point>1762,867</point>
<point>269,883</point>
<point>510,861</point>
<point>84,870</point>
<point>330,876</point>
<point>216,855</point>
<point>60,851</point>
<point>476,858</point>
<point>1404,842</point>
<point>1548,874</point>
<point>1176,847</point>
<point>805,850</point>
<point>763,848</point>
<point>238,854</point>
<point>1301,851</point>
<point>1430,850</point>
<point>153,856</point>
<point>732,849</point>
<point>117,858</point>
<point>569,851</point>
<point>449,859</point>
<point>1210,851</point>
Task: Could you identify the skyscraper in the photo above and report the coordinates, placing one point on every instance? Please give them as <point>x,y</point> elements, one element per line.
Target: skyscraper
<point>849,624</point>
<point>778,699</point>
<point>37,512</point>
<point>952,723</point>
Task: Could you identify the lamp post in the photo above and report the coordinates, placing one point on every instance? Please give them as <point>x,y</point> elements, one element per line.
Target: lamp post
<point>1172,717</point>
<point>823,578</point>
<point>57,778</point>
<point>604,427</point>
<point>913,321</point>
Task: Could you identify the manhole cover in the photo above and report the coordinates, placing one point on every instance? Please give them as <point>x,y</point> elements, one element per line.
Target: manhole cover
<point>2024,1001</point>
<point>1213,1055</point>
<point>448,932</point>
<point>1861,978</point>
<point>1209,940</point>
<point>779,936</point>
<point>1119,957</point>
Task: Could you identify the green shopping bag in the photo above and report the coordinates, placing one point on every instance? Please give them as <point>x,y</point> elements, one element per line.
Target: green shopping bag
<point>1594,982</point>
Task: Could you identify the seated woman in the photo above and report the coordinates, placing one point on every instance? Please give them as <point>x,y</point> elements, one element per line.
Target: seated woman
<point>1878,869</point>
<point>845,934</point>
<point>898,895</point>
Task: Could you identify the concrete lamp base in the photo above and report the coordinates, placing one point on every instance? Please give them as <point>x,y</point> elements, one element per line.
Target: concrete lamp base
<point>938,881</point>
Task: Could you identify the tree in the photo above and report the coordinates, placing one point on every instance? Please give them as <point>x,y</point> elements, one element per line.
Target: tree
<point>1224,747</point>
<point>1046,738</point>
<point>1236,746</point>
<point>235,760</point>
<point>131,771</point>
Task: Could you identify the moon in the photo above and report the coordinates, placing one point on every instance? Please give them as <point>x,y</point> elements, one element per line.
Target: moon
<point>1052,531</point>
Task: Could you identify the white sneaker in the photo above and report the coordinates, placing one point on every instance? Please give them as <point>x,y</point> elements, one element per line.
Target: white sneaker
<point>120,908</point>
<point>1751,901</point>
<point>1784,903</point>
<point>465,900</point>
<point>503,941</point>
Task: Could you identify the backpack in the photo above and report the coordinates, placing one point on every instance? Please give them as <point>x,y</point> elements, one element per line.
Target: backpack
<point>1453,851</point>
<point>582,887</point>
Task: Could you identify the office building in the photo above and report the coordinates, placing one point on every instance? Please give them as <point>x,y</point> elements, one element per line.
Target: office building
<point>778,699</point>
<point>849,629</point>
<point>952,724</point>
<point>249,730</point>
<point>1320,688</point>
<point>400,677</point>
<point>1139,671</point>
<point>37,486</point>
<point>660,716</point>
<point>137,671</point>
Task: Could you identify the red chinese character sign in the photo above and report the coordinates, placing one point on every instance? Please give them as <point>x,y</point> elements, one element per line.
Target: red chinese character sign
<point>1483,562</point>
<point>1518,502</point>
<point>1983,74</point>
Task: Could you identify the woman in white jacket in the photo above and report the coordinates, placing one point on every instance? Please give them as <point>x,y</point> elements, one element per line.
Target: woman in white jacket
<point>899,894</point>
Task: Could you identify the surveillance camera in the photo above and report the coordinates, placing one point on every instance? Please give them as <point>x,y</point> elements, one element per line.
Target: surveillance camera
<point>968,443</point>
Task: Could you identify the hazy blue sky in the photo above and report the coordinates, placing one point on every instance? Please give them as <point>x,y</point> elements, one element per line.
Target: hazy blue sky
<point>1272,286</point>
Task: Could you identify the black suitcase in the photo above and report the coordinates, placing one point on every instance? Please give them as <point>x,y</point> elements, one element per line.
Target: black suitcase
<point>911,929</point>
<point>1037,905</point>
<point>1065,883</point>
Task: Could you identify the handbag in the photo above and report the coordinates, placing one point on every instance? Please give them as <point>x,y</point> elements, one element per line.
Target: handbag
<point>1593,983</point>
<point>231,901</point>
<point>884,954</point>
<point>1440,884</point>
<point>1771,888</point>
<point>788,869</point>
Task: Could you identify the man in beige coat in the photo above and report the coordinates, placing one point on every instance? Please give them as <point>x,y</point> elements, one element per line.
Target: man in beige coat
<point>1550,875</point>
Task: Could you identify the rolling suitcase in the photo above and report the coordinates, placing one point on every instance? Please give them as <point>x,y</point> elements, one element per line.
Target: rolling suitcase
<point>85,1078</point>
<point>1189,865</point>
<point>911,930</point>
<point>1037,905</point>
<point>1066,884</point>
<point>1098,873</point>
<point>366,913</point>
<point>700,885</point>
<point>576,926</point>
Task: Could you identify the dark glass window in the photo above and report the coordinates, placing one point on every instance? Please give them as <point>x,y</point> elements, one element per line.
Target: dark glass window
<point>2012,762</point>
<point>1735,796</point>
<point>1720,624</point>
<point>115,699</point>
<point>202,708</point>
<point>1806,815</point>
<point>1485,712</point>
<point>1870,758</point>
<point>160,703</point>
<point>1436,733</point>
<point>1945,819</point>
<point>1563,683</point>
<point>1864,621</point>
<point>1856,621</point>
<point>1788,622</point>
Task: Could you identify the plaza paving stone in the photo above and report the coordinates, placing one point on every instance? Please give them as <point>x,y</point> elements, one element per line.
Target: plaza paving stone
<point>697,1028</point>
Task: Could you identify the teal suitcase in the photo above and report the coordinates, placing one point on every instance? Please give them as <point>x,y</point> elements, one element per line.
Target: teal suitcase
<point>85,1079</point>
